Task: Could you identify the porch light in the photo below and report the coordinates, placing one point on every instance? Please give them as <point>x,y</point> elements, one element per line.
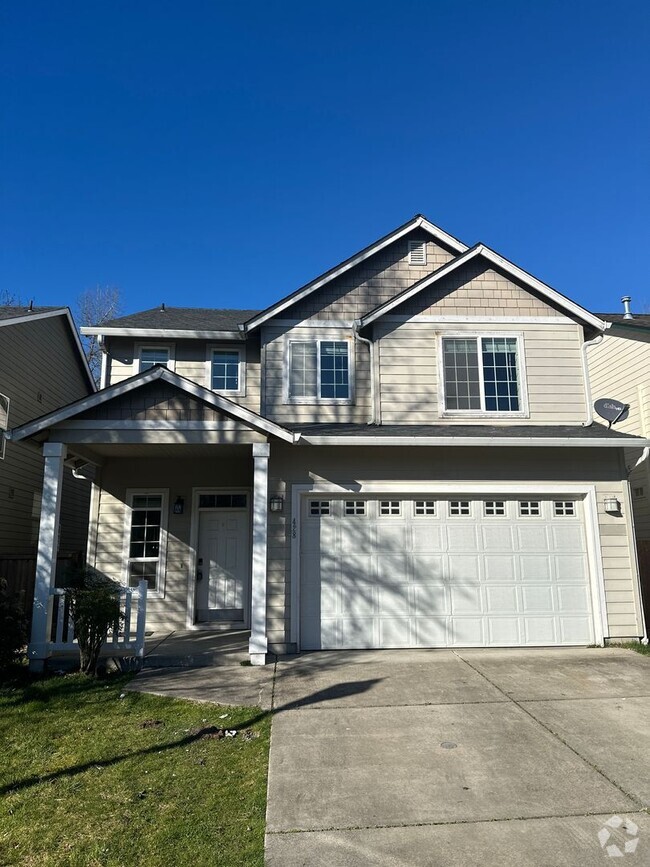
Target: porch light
<point>277,503</point>
<point>179,506</point>
<point>612,505</point>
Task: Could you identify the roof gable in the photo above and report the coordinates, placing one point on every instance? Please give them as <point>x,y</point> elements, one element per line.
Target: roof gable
<point>418,222</point>
<point>518,275</point>
<point>148,393</point>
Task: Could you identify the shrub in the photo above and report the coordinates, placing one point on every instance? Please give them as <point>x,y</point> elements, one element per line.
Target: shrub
<point>94,608</point>
<point>13,627</point>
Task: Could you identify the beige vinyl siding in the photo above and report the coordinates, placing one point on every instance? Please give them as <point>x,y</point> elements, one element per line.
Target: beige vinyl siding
<point>619,368</point>
<point>226,468</point>
<point>190,358</point>
<point>408,360</point>
<point>275,341</point>
<point>40,370</point>
<point>370,283</point>
<point>599,467</point>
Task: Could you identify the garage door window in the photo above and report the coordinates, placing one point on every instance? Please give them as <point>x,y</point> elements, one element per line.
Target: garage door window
<point>355,507</point>
<point>459,507</point>
<point>564,508</point>
<point>389,507</point>
<point>319,507</point>
<point>529,508</point>
<point>425,507</point>
<point>494,508</point>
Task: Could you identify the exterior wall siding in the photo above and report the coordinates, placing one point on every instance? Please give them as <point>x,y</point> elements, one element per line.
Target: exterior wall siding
<point>40,371</point>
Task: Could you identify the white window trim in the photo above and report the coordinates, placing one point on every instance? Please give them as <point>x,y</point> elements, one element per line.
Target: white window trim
<point>3,441</point>
<point>241,369</point>
<point>161,573</point>
<point>341,401</point>
<point>413,245</point>
<point>522,412</point>
<point>170,347</point>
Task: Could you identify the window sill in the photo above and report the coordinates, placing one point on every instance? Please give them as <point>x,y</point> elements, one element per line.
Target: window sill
<point>480,414</point>
<point>319,401</point>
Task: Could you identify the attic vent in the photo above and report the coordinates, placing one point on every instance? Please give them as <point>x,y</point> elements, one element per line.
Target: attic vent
<point>417,253</point>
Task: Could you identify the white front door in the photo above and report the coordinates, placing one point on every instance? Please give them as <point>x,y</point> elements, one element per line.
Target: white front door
<point>223,564</point>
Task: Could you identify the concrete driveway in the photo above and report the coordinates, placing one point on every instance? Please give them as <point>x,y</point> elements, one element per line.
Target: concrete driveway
<point>469,757</point>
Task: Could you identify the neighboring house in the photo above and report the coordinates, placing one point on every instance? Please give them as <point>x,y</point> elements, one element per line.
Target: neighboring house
<point>399,454</point>
<point>619,368</point>
<point>42,366</point>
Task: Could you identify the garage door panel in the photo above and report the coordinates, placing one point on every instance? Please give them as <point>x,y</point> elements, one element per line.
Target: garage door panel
<point>497,537</point>
<point>431,599</point>
<point>427,535</point>
<point>466,599</point>
<point>502,599</point>
<point>503,631</point>
<point>499,567</point>
<point>469,572</point>
<point>532,537</point>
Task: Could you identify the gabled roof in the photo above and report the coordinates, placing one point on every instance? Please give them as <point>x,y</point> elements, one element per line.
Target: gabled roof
<point>176,322</point>
<point>14,315</point>
<point>217,401</point>
<point>504,265</point>
<point>417,222</point>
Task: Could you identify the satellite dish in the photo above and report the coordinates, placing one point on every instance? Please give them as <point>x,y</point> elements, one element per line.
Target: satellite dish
<point>612,410</point>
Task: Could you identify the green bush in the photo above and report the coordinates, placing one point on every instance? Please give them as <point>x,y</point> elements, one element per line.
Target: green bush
<point>13,627</point>
<point>94,608</point>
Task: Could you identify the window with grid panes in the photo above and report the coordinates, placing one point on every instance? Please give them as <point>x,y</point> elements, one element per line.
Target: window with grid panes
<point>425,507</point>
<point>529,508</point>
<point>145,539</point>
<point>459,507</point>
<point>319,369</point>
<point>481,374</point>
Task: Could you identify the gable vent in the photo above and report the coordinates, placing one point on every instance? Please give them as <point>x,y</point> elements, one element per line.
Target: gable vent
<point>417,253</point>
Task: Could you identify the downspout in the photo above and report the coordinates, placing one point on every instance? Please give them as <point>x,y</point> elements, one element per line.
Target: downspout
<point>644,457</point>
<point>371,349</point>
<point>103,375</point>
<point>585,372</point>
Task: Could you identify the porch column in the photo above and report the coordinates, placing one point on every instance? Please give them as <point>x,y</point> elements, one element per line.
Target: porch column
<point>48,543</point>
<point>258,644</point>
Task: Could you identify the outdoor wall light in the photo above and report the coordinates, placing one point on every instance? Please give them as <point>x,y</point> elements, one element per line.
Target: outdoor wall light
<point>277,503</point>
<point>179,506</point>
<point>612,505</point>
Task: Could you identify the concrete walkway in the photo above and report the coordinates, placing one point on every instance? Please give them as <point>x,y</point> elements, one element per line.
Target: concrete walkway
<point>475,757</point>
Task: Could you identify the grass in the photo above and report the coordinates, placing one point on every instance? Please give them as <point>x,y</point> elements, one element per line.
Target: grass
<point>634,645</point>
<point>93,775</point>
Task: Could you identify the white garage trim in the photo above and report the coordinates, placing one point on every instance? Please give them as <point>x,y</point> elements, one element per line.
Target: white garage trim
<point>587,492</point>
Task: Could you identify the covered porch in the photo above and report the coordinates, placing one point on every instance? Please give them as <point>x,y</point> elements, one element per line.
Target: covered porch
<point>179,506</point>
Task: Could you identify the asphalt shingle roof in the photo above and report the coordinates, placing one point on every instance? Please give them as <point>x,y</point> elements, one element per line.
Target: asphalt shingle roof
<point>594,431</point>
<point>639,319</point>
<point>184,319</point>
<point>14,312</point>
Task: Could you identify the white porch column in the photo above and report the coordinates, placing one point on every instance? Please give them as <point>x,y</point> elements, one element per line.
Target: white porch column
<point>258,644</point>
<point>48,543</point>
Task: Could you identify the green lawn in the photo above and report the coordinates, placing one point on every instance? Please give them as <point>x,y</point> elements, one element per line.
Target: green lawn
<point>634,645</point>
<point>93,775</point>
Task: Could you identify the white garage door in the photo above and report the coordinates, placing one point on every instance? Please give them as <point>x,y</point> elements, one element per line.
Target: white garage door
<point>407,572</point>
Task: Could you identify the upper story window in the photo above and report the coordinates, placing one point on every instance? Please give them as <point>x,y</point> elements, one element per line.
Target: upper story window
<point>4,422</point>
<point>226,371</point>
<point>481,374</point>
<point>151,355</point>
<point>319,370</point>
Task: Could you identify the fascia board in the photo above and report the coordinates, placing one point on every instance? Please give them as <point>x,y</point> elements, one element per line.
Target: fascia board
<point>163,333</point>
<point>418,222</point>
<point>536,442</point>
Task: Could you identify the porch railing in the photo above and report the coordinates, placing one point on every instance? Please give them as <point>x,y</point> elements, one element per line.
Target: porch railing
<point>125,637</point>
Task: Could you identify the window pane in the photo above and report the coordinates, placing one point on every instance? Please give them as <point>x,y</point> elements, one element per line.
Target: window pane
<point>149,357</point>
<point>144,541</point>
<point>500,374</point>
<point>225,370</point>
<point>302,369</point>
<point>334,373</point>
<point>148,571</point>
<point>462,387</point>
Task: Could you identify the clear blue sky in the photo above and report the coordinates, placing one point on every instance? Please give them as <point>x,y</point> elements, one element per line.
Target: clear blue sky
<point>221,154</point>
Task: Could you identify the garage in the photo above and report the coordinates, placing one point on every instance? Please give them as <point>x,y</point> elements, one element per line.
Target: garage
<point>455,571</point>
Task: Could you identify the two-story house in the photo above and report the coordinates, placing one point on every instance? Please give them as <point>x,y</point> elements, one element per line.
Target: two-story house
<point>401,453</point>
<point>42,366</point>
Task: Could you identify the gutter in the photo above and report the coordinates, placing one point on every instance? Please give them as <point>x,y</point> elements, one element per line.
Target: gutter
<point>507,442</point>
<point>373,391</point>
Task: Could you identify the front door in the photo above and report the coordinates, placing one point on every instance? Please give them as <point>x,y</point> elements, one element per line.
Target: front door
<point>223,560</point>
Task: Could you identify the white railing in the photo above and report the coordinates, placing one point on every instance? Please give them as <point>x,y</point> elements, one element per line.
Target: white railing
<point>124,638</point>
